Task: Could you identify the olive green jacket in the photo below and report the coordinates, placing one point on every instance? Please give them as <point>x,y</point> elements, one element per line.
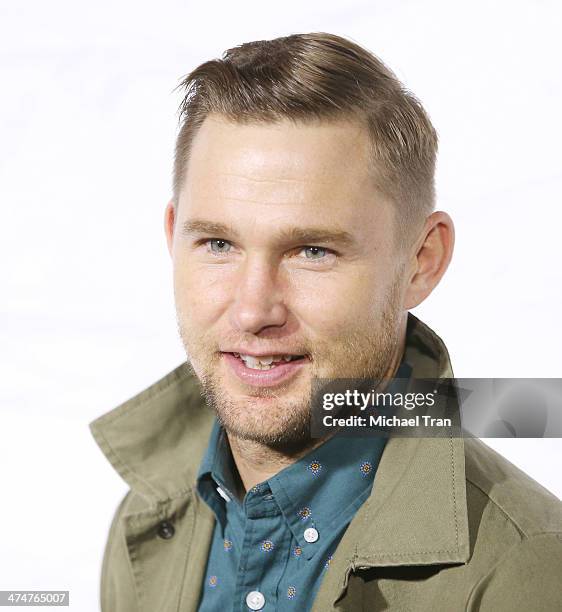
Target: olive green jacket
<point>450,524</point>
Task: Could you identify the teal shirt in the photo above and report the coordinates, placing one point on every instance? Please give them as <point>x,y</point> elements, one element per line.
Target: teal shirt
<point>261,545</point>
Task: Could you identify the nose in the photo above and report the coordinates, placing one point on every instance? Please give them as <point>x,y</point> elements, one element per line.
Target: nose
<point>259,300</point>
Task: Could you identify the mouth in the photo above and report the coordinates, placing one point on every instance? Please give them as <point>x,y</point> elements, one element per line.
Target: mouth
<point>264,370</point>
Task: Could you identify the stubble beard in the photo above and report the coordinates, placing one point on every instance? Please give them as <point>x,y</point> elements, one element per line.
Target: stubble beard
<point>270,418</point>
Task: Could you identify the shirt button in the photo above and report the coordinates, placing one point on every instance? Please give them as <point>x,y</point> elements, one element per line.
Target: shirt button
<point>310,535</point>
<point>166,530</point>
<point>255,600</point>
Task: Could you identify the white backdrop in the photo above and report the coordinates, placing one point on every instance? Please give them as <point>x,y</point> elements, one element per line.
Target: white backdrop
<point>88,123</point>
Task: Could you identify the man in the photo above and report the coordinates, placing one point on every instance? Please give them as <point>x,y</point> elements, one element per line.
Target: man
<point>302,230</point>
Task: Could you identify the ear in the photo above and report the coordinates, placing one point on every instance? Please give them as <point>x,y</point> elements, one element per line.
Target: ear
<point>169,221</point>
<point>430,258</point>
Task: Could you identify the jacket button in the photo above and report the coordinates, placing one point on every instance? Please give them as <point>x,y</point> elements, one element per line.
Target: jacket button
<point>166,530</point>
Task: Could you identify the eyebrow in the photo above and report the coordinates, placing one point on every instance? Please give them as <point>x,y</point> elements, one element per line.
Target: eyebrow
<point>289,234</point>
<point>200,226</point>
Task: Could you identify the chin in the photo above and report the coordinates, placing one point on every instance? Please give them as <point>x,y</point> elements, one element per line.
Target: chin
<point>283,439</point>
<point>269,420</point>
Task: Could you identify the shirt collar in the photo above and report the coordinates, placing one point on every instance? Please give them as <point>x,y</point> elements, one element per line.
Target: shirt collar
<point>216,482</point>
<point>323,489</point>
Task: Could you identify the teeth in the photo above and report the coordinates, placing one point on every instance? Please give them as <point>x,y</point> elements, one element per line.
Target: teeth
<point>263,363</point>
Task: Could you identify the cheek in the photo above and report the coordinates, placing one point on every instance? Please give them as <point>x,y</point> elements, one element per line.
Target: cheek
<point>201,294</point>
<point>330,306</point>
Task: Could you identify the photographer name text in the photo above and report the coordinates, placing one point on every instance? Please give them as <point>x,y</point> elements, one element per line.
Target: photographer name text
<point>385,421</point>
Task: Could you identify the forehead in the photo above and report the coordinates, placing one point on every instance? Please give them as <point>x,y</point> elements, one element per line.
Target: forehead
<point>281,150</point>
<point>284,145</point>
<point>308,169</point>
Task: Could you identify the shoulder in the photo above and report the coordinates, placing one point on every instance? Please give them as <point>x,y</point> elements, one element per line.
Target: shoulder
<point>526,577</point>
<point>515,528</point>
<point>528,506</point>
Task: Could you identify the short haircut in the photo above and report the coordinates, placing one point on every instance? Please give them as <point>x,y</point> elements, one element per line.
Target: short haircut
<point>319,76</point>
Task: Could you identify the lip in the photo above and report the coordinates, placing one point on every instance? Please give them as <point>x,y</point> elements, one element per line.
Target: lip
<point>260,354</point>
<point>263,378</point>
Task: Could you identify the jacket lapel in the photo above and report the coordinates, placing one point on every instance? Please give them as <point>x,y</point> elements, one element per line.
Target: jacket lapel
<point>155,442</point>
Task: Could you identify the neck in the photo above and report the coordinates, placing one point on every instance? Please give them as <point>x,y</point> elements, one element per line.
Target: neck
<point>257,462</point>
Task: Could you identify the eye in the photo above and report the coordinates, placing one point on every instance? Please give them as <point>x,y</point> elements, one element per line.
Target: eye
<point>218,245</point>
<point>314,252</point>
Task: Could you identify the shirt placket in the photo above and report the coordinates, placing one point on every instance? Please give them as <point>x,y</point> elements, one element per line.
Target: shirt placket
<point>264,553</point>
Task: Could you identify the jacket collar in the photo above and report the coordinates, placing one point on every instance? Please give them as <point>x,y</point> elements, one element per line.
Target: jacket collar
<point>416,514</point>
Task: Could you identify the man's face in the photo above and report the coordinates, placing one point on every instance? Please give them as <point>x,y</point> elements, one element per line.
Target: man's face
<point>283,248</point>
